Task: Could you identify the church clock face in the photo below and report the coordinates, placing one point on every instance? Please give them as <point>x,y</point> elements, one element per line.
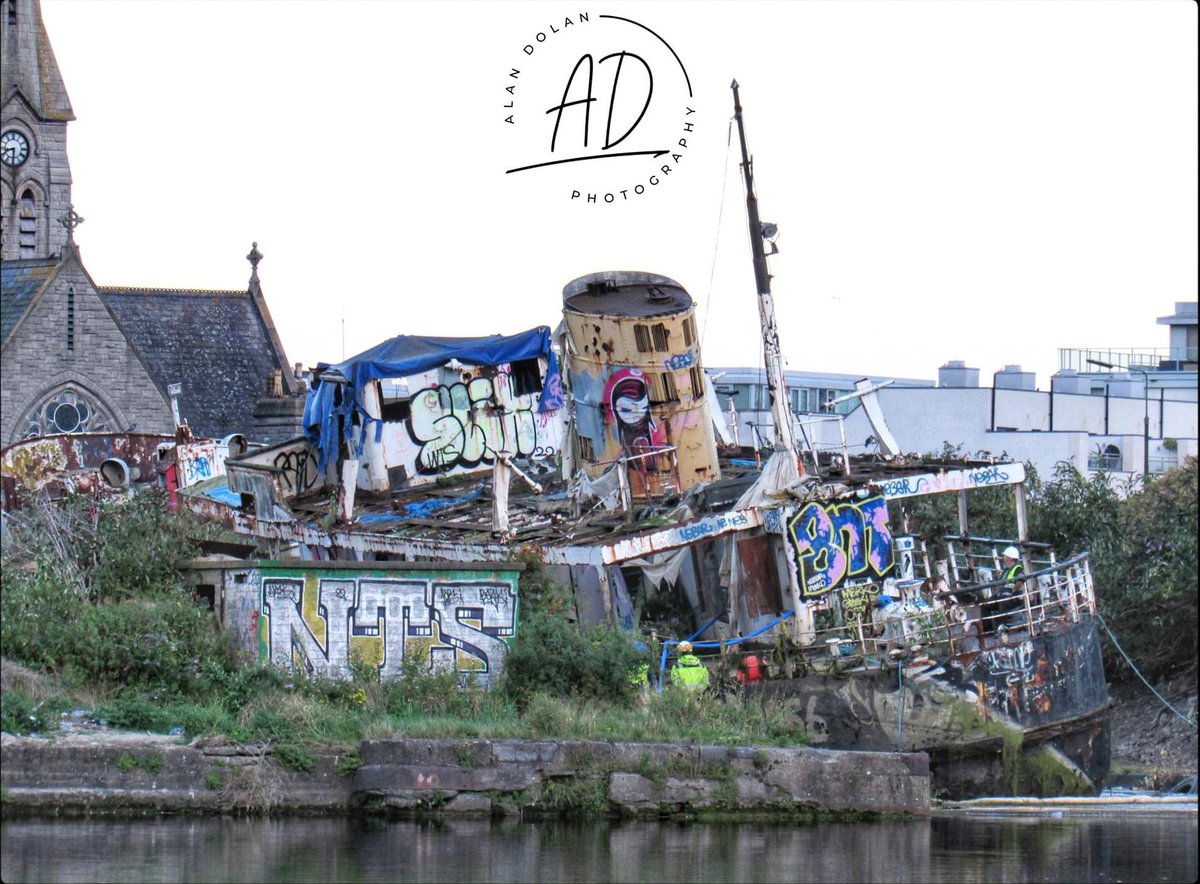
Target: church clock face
<point>14,149</point>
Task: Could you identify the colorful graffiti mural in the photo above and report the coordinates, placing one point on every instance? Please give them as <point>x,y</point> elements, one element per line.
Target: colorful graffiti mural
<point>464,425</point>
<point>62,461</point>
<point>627,407</point>
<point>454,622</point>
<point>833,542</point>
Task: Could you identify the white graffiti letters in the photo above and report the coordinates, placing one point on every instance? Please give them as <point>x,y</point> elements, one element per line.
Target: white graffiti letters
<point>319,625</point>
<point>464,425</point>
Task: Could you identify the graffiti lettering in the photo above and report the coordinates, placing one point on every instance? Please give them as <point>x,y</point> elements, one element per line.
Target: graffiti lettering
<point>989,476</point>
<point>773,521</point>
<point>713,526</point>
<point>680,361</point>
<point>285,591</point>
<point>498,598</point>
<point>464,425</point>
<point>953,480</point>
<point>299,468</point>
<point>905,487</point>
<point>319,625</point>
<point>855,599</point>
<point>835,541</point>
<point>197,462</point>
<point>450,595</point>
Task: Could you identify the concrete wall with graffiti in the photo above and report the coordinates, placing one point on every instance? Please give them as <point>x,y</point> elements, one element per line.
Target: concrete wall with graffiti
<point>317,616</point>
<point>449,421</point>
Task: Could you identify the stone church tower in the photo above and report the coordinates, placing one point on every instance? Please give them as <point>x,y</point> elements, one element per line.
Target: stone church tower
<point>35,178</point>
<point>78,358</point>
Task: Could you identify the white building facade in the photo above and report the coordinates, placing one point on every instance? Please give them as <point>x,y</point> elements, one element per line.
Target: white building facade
<point>1117,410</point>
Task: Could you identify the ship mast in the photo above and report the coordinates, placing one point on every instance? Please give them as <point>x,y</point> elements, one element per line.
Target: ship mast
<point>781,413</point>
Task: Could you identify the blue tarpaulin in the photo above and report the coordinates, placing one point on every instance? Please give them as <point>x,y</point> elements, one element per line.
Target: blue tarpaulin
<point>400,357</point>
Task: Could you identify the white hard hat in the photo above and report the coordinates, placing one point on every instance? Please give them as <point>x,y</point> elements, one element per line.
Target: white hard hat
<point>1011,552</point>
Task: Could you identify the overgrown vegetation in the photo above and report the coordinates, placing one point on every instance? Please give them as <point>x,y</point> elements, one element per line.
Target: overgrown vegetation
<point>118,635</point>
<point>1142,547</point>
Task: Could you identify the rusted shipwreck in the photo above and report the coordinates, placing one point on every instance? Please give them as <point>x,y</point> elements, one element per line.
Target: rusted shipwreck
<point>49,468</point>
<point>600,454</point>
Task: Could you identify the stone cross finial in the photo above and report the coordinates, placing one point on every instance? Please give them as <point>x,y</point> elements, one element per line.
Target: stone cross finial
<point>70,220</point>
<point>254,257</point>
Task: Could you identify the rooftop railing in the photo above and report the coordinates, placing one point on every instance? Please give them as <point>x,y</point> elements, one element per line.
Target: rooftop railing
<point>1144,358</point>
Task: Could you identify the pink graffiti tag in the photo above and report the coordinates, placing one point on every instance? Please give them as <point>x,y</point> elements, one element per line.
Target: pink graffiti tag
<point>832,542</point>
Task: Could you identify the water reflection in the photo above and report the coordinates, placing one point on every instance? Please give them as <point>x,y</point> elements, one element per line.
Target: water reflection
<point>951,849</point>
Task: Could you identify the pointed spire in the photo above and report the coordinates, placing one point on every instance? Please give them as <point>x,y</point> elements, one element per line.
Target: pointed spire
<point>28,64</point>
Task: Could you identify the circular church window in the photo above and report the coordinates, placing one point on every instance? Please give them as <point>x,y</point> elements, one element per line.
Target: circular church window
<point>66,418</point>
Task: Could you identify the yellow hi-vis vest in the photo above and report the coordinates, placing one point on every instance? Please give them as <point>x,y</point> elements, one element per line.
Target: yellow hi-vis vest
<point>688,672</point>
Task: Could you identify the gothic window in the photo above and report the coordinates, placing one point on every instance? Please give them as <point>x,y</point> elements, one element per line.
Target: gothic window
<point>27,225</point>
<point>68,411</point>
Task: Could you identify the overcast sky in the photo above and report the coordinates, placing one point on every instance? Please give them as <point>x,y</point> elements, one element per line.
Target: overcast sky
<point>986,181</point>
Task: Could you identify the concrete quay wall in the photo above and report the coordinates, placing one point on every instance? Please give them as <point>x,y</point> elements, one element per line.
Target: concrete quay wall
<point>400,776</point>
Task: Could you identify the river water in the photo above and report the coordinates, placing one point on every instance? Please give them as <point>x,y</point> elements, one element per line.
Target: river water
<point>942,848</point>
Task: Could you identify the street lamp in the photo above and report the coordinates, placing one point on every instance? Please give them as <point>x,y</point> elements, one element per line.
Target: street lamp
<point>1145,417</point>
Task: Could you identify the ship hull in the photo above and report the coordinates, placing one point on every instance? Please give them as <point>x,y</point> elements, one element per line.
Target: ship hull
<point>1027,717</point>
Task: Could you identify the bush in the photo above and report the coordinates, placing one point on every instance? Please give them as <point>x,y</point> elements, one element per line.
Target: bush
<point>157,641</point>
<point>1149,598</point>
<point>21,714</point>
<point>135,712</point>
<point>554,656</point>
<point>112,549</point>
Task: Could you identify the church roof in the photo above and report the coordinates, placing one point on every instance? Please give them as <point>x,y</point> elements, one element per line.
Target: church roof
<point>29,64</point>
<point>218,344</point>
<point>20,281</point>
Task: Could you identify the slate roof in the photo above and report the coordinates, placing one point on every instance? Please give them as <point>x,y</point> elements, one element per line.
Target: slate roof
<point>20,281</point>
<point>215,343</point>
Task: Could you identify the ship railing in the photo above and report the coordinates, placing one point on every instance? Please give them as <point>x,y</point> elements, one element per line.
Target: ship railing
<point>977,559</point>
<point>652,472</point>
<point>947,621</point>
<point>980,615</point>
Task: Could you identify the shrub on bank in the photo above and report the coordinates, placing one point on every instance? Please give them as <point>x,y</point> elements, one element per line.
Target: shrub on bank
<point>93,597</point>
<point>554,656</point>
<point>157,641</point>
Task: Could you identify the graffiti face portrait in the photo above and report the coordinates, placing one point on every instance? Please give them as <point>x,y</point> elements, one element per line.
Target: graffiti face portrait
<point>628,397</point>
<point>632,405</point>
